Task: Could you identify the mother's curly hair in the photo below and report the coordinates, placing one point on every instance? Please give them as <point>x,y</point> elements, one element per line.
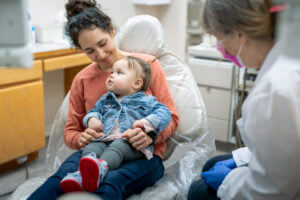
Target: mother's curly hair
<point>85,14</point>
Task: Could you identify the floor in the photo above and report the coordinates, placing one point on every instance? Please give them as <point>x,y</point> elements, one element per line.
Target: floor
<point>32,170</point>
<point>35,168</point>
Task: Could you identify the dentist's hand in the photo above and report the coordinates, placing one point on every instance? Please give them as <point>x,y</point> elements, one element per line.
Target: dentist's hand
<point>230,163</point>
<point>215,176</point>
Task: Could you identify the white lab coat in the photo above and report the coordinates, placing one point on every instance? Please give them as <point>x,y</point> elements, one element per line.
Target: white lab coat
<point>269,167</point>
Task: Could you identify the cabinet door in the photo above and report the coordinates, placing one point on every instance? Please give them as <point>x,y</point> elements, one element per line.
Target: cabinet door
<point>212,73</point>
<point>64,62</point>
<point>217,102</point>
<point>21,120</point>
<point>219,128</point>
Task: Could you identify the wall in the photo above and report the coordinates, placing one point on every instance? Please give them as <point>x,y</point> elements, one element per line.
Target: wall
<point>173,17</point>
<point>45,11</point>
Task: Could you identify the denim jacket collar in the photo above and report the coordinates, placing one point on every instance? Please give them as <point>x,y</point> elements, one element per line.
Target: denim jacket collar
<point>126,98</point>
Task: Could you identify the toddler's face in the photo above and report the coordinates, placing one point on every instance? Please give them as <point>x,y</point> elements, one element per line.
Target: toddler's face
<point>121,80</point>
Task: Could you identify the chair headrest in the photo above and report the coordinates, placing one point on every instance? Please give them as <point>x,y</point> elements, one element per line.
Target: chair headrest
<point>143,34</point>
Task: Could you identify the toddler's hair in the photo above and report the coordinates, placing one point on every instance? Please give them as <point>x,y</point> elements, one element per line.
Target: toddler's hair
<point>142,69</point>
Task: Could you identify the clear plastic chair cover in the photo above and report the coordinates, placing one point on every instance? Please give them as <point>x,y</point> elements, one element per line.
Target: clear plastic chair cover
<point>187,149</point>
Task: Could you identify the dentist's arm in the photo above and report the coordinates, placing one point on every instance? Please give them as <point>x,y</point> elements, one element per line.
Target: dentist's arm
<point>273,170</point>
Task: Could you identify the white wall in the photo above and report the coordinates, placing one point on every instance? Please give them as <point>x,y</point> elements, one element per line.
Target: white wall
<point>173,17</point>
<point>45,11</point>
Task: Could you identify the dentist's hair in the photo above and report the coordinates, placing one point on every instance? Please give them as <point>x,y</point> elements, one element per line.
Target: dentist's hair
<point>250,16</point>
<point>85,14</point>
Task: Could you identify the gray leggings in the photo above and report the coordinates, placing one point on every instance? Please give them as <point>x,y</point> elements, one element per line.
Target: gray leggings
<point>114,153</point>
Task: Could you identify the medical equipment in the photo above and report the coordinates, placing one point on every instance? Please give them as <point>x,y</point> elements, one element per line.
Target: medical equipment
<point>14,34</point>
<point>289,29</point>
<point>216,80</point>
<point>194,30</point>
<point>189,147</point>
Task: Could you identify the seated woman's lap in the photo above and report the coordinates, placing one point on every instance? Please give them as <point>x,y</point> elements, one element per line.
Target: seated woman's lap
<point>130,178</point>
<point>50,189</point>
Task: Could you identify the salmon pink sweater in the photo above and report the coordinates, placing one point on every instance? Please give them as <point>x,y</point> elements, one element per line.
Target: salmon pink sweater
<point>89,85</point>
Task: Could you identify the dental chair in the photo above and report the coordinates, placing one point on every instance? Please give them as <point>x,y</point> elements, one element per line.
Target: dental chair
<point>190,146</point>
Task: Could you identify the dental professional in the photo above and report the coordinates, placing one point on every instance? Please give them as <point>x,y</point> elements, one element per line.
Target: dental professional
<point>92,31</point>
<point>268,168</point>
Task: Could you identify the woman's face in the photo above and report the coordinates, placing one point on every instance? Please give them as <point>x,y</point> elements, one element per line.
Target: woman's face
<point>99,46</point>
<point>237,43</point>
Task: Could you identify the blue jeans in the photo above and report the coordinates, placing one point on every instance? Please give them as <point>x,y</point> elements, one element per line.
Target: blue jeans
<point>131,177</point>
<point>199,190</point>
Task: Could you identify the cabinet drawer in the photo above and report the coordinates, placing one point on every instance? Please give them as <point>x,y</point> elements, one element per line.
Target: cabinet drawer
<point>64,62</point>
<point>217,102</point>
<point>21,120</point>
<point>13,75</point>
<point>219,128</point>
<point>212,73</point>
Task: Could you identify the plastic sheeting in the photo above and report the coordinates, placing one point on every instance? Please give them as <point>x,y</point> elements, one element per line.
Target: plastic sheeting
<point>145,34</point>
<point>187,149</point>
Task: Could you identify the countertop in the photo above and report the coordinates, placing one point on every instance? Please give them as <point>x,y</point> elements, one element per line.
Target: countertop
<point>50,46</point>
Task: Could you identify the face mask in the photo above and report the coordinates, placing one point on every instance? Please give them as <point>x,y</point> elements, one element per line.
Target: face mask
<point>235,59</point>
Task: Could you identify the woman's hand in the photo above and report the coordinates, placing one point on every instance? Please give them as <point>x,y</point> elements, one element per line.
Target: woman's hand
<point>88,135</point>
<point>137,138</point>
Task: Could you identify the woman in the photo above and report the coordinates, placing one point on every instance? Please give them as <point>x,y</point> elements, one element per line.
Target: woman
<point>268,168</point>
<point>92,31</point>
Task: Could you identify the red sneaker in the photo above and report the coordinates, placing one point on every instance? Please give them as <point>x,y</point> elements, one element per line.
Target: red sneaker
<point>72,182</point>
<point>92,171</point>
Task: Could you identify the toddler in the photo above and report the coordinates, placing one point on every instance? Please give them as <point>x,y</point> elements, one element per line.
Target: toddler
<point>125,106</point>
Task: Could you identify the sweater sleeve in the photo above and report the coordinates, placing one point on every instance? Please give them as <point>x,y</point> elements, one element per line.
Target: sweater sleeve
<point>160,89</point>
<point>76,112</point>
<point>94,112</point>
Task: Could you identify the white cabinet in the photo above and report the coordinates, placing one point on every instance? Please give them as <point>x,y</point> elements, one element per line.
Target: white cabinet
<point>211,72</point>
<point>214,79</point>
<point>219,128</point>
<point>217,101</point>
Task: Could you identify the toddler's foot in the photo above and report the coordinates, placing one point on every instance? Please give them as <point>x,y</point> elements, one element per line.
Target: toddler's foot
<point>92,171</point>
<point>71,182</point>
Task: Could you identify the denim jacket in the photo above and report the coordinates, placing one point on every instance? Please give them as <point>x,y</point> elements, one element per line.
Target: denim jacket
<point>109,109</point>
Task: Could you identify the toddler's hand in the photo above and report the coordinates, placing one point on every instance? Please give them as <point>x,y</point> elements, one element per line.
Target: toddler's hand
<point>95,124</point>
<point>138,124</point>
